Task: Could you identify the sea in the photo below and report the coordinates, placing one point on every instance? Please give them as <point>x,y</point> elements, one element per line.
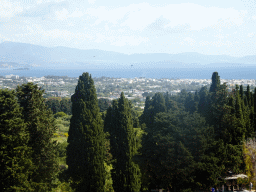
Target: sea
<point>156,73</point>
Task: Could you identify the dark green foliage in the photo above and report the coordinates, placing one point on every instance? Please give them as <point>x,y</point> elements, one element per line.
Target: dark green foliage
<point>86,140</point>
<point>152,107</point>
<point>217,107</point>
<point>182,97</point>
<point>66,106</point>
<point>58,105</point>
<point>125,173</point>
<point>203,104</point>
<point>104,104</point>
<point>134,114</point>
<point>171,148</point>
<point>53,104</point>
<point>215,82</point>
<point>16,161</point>
<point>210,150</point>
<point>41,126</point>
<point>190,104</point>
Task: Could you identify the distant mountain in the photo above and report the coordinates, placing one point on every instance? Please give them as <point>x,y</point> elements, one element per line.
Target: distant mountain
<point>24,55</point>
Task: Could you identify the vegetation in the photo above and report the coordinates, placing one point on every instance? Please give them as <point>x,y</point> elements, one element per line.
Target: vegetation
<point>16,160</point>
<point>125,173</point>
<point>85,150</point>
<point>178,142</point>
<point>41,127</point>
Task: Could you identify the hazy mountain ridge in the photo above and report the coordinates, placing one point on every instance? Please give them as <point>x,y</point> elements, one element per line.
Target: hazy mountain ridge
<point>24,55</point>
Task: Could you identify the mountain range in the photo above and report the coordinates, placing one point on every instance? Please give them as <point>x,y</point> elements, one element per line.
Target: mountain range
<point>16,55</point>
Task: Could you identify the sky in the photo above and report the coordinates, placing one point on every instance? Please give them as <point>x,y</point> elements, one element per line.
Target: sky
<point>163,26</point>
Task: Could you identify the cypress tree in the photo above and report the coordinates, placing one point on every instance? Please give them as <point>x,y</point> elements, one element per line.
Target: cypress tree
<point>215,82</point>
<point>203,104</point>
<point>248,95</point>
<point>41,127</point>
<point>86,149</point>
<point>16,161</point>
<point>147,116</point>
<point>125,173</point>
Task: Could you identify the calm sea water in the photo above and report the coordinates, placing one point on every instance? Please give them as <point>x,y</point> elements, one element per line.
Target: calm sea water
<point>182,73</point>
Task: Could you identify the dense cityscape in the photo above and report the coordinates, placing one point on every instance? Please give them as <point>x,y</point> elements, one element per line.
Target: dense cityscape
<point>111,88</point>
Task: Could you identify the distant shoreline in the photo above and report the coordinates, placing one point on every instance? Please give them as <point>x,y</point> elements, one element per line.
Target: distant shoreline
<point>26,68</point>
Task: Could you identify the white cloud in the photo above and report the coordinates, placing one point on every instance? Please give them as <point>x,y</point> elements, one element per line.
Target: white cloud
<point>76,13</point>
<point>218,43</point>
<point>91,1</point>
<point>251,35</point>
<point>197,17</point>
<point>188,41</point>
<point>57,33</point>
<point>9,9</point>
<point>64,14</point>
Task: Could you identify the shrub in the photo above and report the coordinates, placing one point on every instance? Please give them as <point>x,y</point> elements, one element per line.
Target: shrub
<point>60,114</point>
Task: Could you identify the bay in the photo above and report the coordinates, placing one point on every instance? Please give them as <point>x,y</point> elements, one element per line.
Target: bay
<point>157,73</point>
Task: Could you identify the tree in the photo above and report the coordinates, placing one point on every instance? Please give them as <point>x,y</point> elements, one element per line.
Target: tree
<point>125,173</point>
<point>53,104</point>
<point>65,106</point>
<point>190,104</point>
<point>215,82</point>
<point>16,161</point>
<point>203,104</point>
<point>152,107</point>
<point>104,104</point>
<point>86,140</point>
<point>41,127</point>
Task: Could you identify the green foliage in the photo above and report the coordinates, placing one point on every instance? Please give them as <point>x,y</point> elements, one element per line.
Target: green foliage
<point>58,105</point>
<point>86,150</point>
<point>104,104</point>
<point>41,127</point>
<point>118,122</point>
<point>16,161</point>
<point>215,82</point>
<point>60,114</point>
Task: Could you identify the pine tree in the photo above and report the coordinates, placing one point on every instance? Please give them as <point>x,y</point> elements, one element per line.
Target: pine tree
<point>16,161</point>
<point>41,127</point>
<point>125,174</point>
<point>86,141</point>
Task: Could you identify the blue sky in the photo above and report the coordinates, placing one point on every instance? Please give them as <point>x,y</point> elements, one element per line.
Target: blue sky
<point>162,26</point>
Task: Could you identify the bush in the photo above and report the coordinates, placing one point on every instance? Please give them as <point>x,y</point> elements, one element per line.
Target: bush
<point>62,149</point>
<point>60,114</point>
<point>62,128</point>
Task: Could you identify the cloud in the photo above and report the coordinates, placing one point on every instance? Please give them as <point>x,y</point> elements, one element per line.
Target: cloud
<point>57,33</point>
<point>218,43</point>
<point>91,1</point>
<point>170,18</point>
<point>9,9</point>
<point>64,14</point>
<point>188,41</point>
<point>251,35</point>
<point>44,8</point>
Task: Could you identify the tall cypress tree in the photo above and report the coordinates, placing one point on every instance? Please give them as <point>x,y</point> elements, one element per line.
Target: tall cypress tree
<point>86,149</point>
<point>125,173</point>
<point>41,127</point>
<point>215,82</point>
<point>16,161</point>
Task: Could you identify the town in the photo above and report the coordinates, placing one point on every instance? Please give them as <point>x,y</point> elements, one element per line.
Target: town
<point>110,88</point>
